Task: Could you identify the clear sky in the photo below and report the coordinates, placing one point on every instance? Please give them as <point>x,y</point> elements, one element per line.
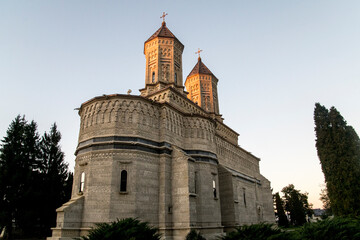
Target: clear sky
<point>273,59</point>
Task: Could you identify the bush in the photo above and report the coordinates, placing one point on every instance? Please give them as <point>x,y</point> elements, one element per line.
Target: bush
<point>332,229</point>
<point>128,228</point>
<point>194,235</point>
<point>253,232</point>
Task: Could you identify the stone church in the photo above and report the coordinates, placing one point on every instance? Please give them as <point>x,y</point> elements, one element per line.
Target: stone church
<point>164,156</point>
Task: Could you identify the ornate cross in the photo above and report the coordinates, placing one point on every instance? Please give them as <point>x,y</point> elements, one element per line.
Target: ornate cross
<point>163,16</point>
<point>198,52</point>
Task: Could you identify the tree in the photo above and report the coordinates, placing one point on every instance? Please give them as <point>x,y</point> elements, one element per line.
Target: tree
<point>34,179</point>
<point>19,169</point>
<point>296,204</point>
<point>338,148</point>
<point>324,197</point>
<point>283,221</point>
<point>55,177</point>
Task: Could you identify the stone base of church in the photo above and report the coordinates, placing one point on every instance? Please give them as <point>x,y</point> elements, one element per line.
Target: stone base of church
<point>68,233</point>
<point>210,233</point>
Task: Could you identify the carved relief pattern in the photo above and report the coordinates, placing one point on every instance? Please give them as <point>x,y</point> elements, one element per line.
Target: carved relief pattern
<point>178,102</point>
<point>138,112</point>
<point>153,55</point>
<point>165,52</point>
<point>165,72</point>
<point>227,133</point>
<point>177,57</point>
<point>235,156</point>
<point>121,111</point>
<point>188,127</point>
<point>199,128</point>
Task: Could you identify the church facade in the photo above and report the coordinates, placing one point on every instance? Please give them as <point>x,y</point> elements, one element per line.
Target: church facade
<point>164,156</point>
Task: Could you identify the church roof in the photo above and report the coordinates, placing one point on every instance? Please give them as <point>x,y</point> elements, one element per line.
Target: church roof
<point>163,31</point>
<point>200,68</point>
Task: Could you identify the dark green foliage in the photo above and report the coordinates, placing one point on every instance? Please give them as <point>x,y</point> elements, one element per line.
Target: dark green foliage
<point>335,229</point>
<point>128,228</point>
<point>324,197</point>
<point>296,204</point>
<point>19,173</point>
<point>282,219</point>
<point>55,177</point>
<point>33,179</point>
<point>194,235</point>
<point>338,148</point>
<point>260,231</point>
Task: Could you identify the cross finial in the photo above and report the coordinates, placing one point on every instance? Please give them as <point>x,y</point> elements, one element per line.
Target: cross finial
<point>198,52</point>
<point>163,16</point>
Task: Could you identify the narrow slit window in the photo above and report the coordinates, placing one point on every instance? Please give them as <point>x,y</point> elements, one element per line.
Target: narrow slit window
<point>214,188</point>
<point>82,182</point>
<point>244,196</point>
<point>175,78</point>
<point>153,77</point>
<point>195,182</point>
<point>123,181</point>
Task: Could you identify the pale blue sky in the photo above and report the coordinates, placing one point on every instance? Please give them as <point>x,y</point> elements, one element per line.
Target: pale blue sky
<point>273,59</point>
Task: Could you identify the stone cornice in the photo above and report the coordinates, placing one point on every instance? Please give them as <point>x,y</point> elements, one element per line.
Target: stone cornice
<point>114,96</point>
<point>237,146</point>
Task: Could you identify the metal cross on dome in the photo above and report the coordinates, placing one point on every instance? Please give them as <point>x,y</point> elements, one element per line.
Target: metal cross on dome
<point>198,52</point>
<point>163,16</point>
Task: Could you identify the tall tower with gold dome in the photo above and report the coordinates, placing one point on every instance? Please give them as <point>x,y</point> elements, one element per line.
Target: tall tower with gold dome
<point>163,53</point>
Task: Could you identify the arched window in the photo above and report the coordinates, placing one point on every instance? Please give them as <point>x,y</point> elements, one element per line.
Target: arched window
<point>82,182</point>
<point>123,181</point>
<point>153,77</point>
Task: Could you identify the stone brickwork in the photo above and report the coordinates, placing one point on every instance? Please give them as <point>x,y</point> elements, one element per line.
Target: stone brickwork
<point>202,87</point>
<point>161,158</point>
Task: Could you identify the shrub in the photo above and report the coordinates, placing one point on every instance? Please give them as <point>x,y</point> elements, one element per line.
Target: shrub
<point>332,229</point>
<point>128,228</point>
<point>260,231</point>
<point>194,235</point>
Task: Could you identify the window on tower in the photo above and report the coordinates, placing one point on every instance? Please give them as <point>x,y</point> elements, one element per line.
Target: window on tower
<point>214,189</point>
<point>82,182</point>
<point>153,77</point>
<point>123,181</point>
<point>244,196</point>
<point>175,78</point>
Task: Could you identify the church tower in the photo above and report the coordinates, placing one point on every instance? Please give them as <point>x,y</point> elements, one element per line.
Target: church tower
<point>163,53</point>
<point>202,87</point>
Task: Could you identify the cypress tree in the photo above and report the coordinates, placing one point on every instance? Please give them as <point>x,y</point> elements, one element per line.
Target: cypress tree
<point>338,148</point>
<point>283,221</point>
